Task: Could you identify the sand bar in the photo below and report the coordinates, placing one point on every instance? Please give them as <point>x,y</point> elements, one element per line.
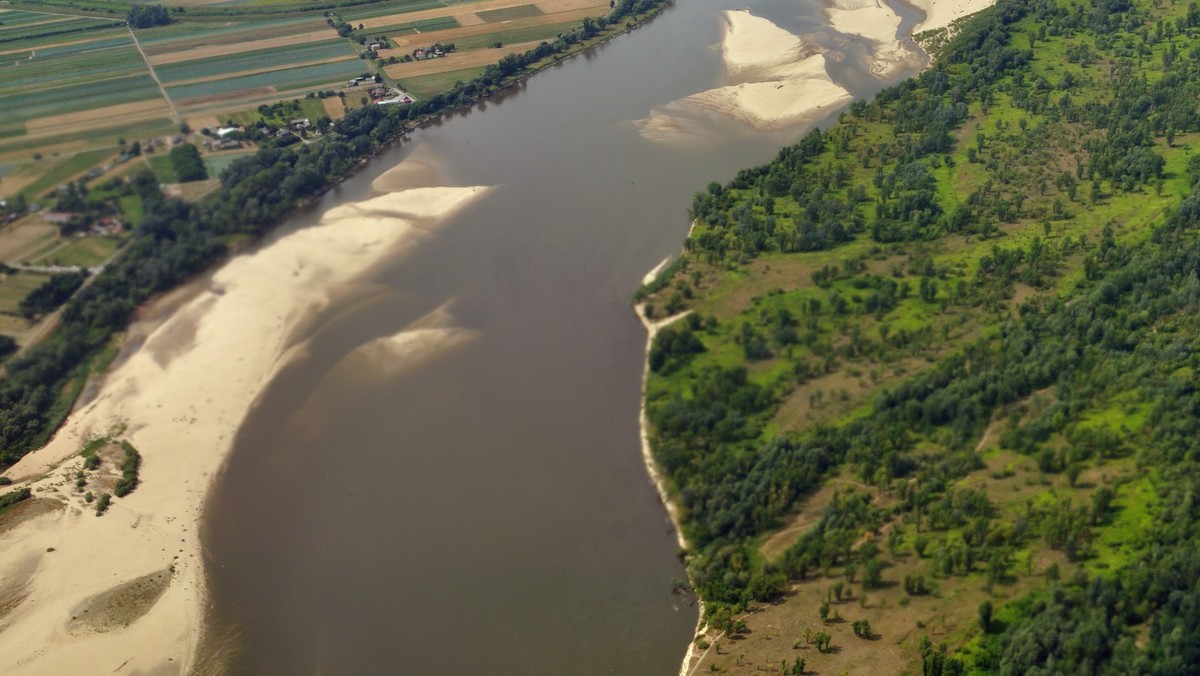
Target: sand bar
<point>879,25</point>
<point>181,398</point>
<point>942,13</point>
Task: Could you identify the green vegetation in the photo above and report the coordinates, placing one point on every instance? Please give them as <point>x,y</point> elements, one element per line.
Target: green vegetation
<point>129,470</point>
<point>186,161</point>
<point>16,287</point>
<point>102,503</point>
<point>1001,253</point>
<point>147,16</point>
<point>8,500</point>
<point>509,13</point>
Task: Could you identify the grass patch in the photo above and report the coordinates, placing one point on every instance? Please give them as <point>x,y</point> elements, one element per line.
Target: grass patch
<point>163,168</point>
<point>85,252</point>
<point>66,169</point>
<point>509,13</point>
<point>15,288</point>
<point>427,85</point>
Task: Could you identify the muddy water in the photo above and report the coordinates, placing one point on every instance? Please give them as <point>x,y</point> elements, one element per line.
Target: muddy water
<point>483,508</point>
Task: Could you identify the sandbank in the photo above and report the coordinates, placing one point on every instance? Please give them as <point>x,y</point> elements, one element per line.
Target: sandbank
<point>180,398</point>
<point>942,13</point>
<point>775,80</point>
<point>879,25</point>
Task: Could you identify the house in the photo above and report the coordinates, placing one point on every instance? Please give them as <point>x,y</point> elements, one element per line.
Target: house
<point>419,54</point>
<point>226,131</point>
<point>56,217</point>
<point>228,144</point>
<point>374,46</point>
<point>299,125</point>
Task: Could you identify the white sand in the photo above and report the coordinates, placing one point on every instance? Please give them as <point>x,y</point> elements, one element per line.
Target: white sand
<point>183,395</point>
<point>942,13</point>
<point>879,25</point>
<point>775,80</point>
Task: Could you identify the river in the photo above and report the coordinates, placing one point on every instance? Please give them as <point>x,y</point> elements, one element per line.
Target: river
<point>486,510</point>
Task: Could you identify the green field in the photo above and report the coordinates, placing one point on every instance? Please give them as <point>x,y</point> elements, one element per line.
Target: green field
<point>66,168</point>
<point>163,168</point>
<point>426,85</point>
<point>225,66</point>
<point>83,251</point>
<point>509,13</point>
<point>516,36</point>
<point>440,23</point>
<point>83,96</point>
<point>14,289</point>
<point>218,163</point>
<point>387,8</point>
<point>276,80</point>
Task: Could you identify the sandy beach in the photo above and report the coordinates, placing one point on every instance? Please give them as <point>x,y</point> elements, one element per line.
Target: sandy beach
<point>942,13</point>
<point>124,592</point>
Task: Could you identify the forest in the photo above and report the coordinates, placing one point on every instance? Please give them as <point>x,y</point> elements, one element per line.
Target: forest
<point>946,350</point>
<point>175,240</point>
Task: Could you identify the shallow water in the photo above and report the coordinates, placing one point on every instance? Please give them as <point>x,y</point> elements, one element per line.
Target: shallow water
<point>482,506</point>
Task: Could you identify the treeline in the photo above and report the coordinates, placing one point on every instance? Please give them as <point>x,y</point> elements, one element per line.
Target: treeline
<point>1123,332</point>
<point>147,16</point>
<point>188,165</point>
<point>176,240</point>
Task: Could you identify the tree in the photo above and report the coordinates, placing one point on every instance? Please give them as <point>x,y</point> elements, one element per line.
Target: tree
<point>147,16</point>
<point>985,616</point>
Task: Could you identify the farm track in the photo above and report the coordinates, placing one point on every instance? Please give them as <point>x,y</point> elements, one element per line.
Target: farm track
<point>161,88</point>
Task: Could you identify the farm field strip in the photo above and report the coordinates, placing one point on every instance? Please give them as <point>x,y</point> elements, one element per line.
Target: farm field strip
<point>210,51</point>
<point>36,43</point>
<point>53,28</point>
<point>290,78</point>
<point>127,112</point>
<point>223,66</point>
<point>173,38</point>
<point>556,23</point>
<point>360,14</point>
<point>14,289</point>
<point>35,74</point>
<point>69,46</point>
<point>430,25</point>
<point>455,61</point>
<point>86,96</point>
<point>440,10</point>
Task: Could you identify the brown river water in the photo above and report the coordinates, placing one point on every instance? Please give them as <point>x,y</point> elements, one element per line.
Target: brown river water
<point>486,509</point>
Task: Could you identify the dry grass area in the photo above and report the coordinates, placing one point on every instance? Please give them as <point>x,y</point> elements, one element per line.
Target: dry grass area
<point>69,122</point>
<point>777,632</point>
<point>120,606</point>
<point>26,510</point>
<point>24,238</point>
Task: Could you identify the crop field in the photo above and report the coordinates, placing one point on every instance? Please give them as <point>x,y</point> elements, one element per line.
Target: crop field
<point>437,23</point>
<point>83,251</point>
<point>224,66</point>
<point>274,80</point>
<point>385,9</point>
